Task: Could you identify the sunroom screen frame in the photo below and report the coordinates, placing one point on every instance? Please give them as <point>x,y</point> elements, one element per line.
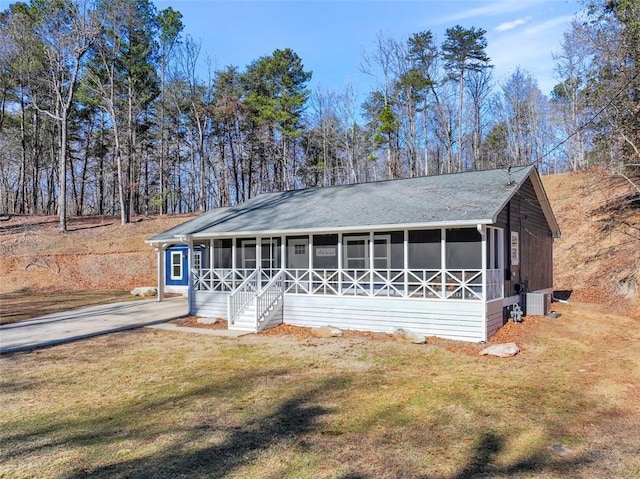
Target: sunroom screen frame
<point>493,277</point>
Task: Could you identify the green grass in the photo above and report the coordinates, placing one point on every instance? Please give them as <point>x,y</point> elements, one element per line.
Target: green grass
<point>150,403</point>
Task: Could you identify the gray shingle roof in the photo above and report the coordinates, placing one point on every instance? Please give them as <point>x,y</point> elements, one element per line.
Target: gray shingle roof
<point>463,198</point>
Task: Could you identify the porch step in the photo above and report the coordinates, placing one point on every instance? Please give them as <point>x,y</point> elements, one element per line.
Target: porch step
<point>246,321</point>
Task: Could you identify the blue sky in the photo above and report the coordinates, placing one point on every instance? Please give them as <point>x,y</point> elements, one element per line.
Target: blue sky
<point>330,36</point>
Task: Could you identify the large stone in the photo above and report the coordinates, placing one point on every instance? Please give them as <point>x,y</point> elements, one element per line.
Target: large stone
<point>409,336</point>
<point>208,320</point>
<point>144,291</point>
<point>327,332</point>
<point>505,350</point>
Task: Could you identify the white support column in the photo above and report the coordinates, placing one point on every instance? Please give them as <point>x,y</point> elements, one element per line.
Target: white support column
<point>189,275</point>
<point>483,235</point>
<point>160,250</point>
<point>310,264</point>
<point>482,229</point>
<point>371,262</point>
<point>340,264</point>
<point>259,262</point>
<point>233,262</point>
<point>405,247</point>
<point>211,253</point>
<point>283,253</point>
<point>443,261</point>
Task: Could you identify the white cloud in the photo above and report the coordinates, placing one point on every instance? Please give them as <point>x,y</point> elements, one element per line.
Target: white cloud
<point>506,26</point>
<point>552,23</point>
<point>493,8</point>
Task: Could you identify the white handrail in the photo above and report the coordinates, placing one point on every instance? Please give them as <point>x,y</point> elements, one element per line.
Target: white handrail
<point>269,296</point>
<point>242,296</point>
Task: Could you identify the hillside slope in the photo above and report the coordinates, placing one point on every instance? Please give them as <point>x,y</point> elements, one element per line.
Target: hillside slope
<point>598,257</point>
<point>97,253</point>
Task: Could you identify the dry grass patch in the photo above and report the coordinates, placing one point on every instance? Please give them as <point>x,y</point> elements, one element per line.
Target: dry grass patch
<point>163,404</point>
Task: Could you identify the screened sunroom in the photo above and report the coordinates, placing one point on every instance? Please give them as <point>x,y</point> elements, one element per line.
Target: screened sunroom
<point>443,263</point>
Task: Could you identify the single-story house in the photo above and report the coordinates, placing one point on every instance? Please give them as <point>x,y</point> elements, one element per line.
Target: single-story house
<point>441,255</point>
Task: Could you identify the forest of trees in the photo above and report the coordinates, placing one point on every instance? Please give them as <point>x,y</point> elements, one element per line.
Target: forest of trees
<point>104,110</point>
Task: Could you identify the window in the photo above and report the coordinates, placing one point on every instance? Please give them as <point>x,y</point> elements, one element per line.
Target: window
<point>356,252</point>
<point>495,248</point>
<point>247,257</point>
<point>425,250</point>
<point>197,260</point>
<point>270,253</point>
<point>463,249</point>
<point>300,249</point>
<point>325,251</point>
<point>515,248</point>
<point>222,253</point>
<point>176,265</point>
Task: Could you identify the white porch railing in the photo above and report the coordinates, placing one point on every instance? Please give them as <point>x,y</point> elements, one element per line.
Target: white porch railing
<point>242,296</point>
<point>268,298</point>
<point>413,283</point>
<point>219,279</point>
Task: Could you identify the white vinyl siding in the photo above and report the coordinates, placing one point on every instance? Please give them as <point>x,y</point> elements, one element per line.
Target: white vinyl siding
<point>208,304</point>
<point>494,317</point>
<point>461,320</point>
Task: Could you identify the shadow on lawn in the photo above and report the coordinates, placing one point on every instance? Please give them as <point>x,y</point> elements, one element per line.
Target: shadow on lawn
<point>291,419</point>
<point>481,463</point>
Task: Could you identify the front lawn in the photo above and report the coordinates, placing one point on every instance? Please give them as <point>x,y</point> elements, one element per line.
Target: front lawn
<point>151,403</point>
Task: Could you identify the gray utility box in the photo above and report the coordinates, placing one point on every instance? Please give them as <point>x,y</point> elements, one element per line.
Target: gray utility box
<point>538,304</point>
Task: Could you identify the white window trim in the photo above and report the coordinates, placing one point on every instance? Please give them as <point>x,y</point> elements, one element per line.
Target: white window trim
<point>347,258</point>
<point>175,254</point>
<point>197,260</point>
<point>349,239</point>
<point>272,243</point>
<point>245,246</point>
<point>514,247</point>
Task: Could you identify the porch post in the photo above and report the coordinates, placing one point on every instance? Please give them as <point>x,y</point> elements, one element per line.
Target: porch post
<point>482,229</point>
<point>371,262</point>
<point>283,253</point>
<point>405,246</point>
<point>443,262</point>
<point>160,250</point>
<point>211,252</point>
<point>483,235</point>
<point>310,264</point>
<point>340,263</point>
<point>189,275</point>
<point>233,263</point>
<point>259,262</point>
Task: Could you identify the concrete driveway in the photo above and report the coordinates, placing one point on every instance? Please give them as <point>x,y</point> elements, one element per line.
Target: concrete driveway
<point>87,322</point>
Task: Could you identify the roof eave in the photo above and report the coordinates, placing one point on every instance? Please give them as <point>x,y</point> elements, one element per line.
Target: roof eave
<point>346,229</point>
<point>542,198</point>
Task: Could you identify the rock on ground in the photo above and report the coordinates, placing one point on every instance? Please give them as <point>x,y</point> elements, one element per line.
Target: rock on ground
<point>144,291</point>
<point>327,332</point>
<point>505,350</point>
<point>208,320</point>
<point>409,336</point>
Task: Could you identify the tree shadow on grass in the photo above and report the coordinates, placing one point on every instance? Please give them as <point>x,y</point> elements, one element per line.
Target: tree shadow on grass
<point>292,419</point>
<point>481,464</point>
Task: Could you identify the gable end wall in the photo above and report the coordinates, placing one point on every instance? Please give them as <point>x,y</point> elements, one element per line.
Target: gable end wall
<point>524,215</point>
